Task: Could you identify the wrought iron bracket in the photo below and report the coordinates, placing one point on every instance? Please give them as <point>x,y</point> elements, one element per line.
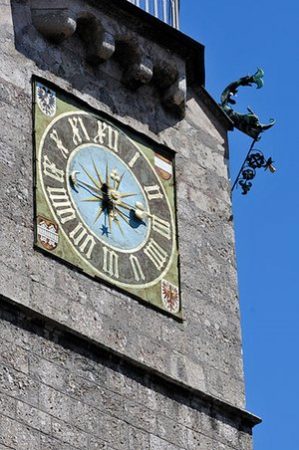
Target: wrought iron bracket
<point>254,160</point>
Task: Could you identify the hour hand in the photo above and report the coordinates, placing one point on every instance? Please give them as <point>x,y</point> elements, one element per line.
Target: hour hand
<point>139,210</point>
<point>75,183</point>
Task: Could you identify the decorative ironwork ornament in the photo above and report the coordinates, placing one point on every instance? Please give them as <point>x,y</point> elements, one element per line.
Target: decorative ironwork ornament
<point>247,123</point>
<point>254,160</point>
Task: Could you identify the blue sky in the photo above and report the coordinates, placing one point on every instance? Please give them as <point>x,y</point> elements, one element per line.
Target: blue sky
<point>239,37</point>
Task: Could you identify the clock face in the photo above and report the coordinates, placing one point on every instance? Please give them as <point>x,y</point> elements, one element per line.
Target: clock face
<point>105,202</point>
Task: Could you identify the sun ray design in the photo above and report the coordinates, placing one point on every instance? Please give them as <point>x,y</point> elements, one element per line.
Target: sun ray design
<point>107,174</point>
<point>111,203</point>
<point>120,180</point>
<point>127,194</point>
<point>111,220</point>
<point>126,219</point>
<point>96,198</point>
<point>126,206</point>
<point>92,179</point>
<point>89,187</point>
<point>122,215</point>
<point>98,173</point>
<point>99,213</point>
<point>116,220</point>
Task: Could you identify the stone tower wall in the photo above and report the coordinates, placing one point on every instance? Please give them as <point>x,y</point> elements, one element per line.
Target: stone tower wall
<point>83,365</point>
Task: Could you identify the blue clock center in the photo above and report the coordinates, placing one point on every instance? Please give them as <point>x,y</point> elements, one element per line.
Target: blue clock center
<point>108,197</point>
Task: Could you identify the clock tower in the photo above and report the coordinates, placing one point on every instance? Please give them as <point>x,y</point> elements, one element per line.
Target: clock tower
<point>119,314</point>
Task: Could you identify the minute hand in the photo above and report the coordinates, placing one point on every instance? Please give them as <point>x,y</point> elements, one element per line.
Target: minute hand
<point>139,213</point>
<point>90,187</point>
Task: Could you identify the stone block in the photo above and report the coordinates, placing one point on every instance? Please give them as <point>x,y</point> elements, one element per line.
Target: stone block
<point>15,435</point>
<point>8,405</point>
<point>33,417</point>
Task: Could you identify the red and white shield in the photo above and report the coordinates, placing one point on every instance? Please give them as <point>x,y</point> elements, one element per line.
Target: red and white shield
<point>47,232</point>
<point>163,167</point>
<point>170,296</point>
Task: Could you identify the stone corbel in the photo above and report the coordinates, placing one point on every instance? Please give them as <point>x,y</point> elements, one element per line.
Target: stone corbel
<point>136,65</point>
<point>175,97</point>
<point>100,45</point>
<point>165,74</point>
<point>138,73</point>
<point>55,22</point>
<point>58,22</point>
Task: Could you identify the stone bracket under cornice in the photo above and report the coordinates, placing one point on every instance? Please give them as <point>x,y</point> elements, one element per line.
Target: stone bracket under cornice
<point>63,18</point>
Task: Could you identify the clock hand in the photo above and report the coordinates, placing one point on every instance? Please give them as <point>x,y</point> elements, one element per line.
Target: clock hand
<point>89,187</point>
<point>73,179</point>
<point>139,211</point>
<point>126,219</point>
<point>74,183</point>
<point>126,205</point>
<point>127,194</point>
<point>92,179</point>
<point>122,215</point>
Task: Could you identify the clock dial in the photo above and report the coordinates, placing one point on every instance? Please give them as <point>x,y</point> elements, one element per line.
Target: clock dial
<point>109,203</point>
<point>113,214</point>
<point>109,198</point>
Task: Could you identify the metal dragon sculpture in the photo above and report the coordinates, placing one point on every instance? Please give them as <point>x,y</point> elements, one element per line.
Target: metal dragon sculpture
<point>247,123</point>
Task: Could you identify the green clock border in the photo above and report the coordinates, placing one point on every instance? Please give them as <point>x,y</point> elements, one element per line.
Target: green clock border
<point>67,103</point>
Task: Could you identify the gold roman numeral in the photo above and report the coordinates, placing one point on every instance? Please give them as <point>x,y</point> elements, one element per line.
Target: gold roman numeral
<point>107,136</point>
<point>153,192</point>
<point>83,240</point>
<point>134,160</point>
<point>54,136</point>
<point>137,270</point>
<point>62,204</point>
<point>52,171</point>
<point>162,226</point>
<point>110,264</point>
<point>156,254</point>
<point>78,128</point>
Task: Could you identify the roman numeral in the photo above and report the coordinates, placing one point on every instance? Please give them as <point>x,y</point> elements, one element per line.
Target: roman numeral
<point>137,270</point>
<point>162,226</point>
<point>52,171</point>
<point>134,159</point>
<point>156,254</point>
<point>153,192</point>
<point>78,127</point>
<point>54,136</point>
<point>107,136</point>
<point>62,204</point>
<point>83,240</point>
<point>110,264</point>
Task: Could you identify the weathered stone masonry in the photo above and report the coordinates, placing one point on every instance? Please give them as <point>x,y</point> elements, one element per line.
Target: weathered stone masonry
<point>81,364</point>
